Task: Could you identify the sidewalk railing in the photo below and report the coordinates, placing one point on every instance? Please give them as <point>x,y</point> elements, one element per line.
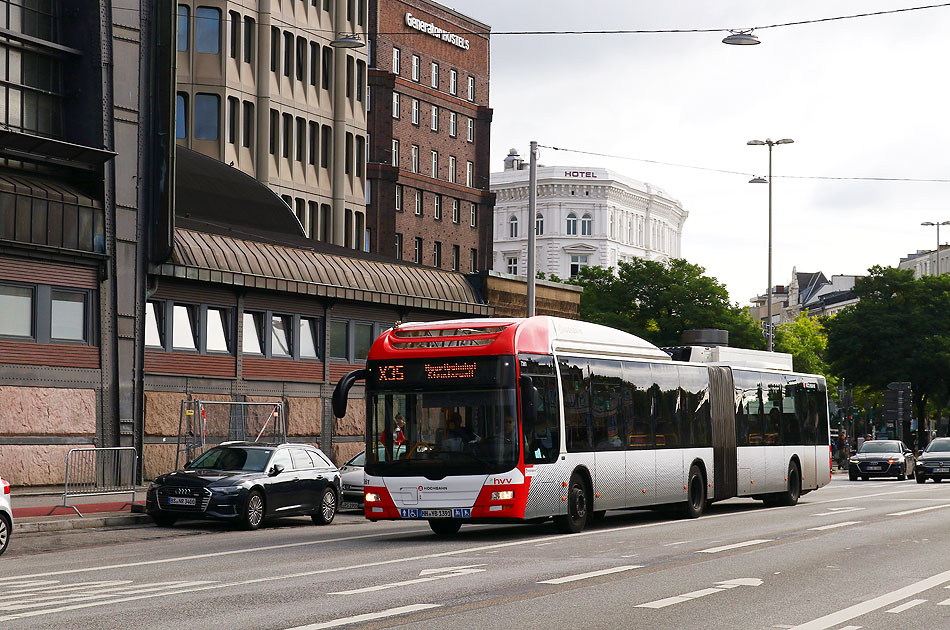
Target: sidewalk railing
<point>99,471</point>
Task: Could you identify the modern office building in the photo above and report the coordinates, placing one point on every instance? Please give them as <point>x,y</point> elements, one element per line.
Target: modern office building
<point>262,88</point>
<point>429,124</point>
<point>585,216</point>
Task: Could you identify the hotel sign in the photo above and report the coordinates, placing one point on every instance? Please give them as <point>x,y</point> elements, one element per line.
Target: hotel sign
<point>435,31</point>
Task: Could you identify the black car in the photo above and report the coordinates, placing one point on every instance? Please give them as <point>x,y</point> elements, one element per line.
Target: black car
<point>881,458</point>
<point>934,461</point>
<point>248,483</point>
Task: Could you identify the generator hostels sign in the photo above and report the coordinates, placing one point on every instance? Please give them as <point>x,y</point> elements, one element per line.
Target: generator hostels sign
<point>435,31</point>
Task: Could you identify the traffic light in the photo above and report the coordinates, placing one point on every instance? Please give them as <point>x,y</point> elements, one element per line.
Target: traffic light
<point>897,407</point>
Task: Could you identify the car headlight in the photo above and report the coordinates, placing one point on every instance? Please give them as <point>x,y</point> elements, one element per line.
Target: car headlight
<point>371,497</point>
<point>504,495</point>
<point>226,490</point>
<point>853,461</point>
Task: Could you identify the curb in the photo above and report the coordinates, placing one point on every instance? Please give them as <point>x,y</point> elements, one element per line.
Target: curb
<point>122,520</point>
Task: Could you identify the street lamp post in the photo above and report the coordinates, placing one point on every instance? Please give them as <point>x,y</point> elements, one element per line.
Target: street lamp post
<point>937,224</point>
<point>768,296</point>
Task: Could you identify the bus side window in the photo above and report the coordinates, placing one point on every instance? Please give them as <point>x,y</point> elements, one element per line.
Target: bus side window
<point>541,429</point>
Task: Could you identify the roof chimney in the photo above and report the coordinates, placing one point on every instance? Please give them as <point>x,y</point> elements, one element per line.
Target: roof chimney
<point>513,162</point>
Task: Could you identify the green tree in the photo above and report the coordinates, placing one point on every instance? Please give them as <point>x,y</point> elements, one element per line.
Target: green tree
<point>658,301</point>
<point>899,331</point>
<point>806,339</point>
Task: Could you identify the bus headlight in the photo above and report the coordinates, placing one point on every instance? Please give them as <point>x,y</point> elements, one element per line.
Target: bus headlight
<point>371,497</point>
<point>504,495</point>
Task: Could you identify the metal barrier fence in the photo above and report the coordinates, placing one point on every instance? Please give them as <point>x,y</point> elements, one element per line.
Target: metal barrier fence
<point>99,471</point>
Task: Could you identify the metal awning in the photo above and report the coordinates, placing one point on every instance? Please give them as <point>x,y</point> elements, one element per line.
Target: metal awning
<point>226,260</point>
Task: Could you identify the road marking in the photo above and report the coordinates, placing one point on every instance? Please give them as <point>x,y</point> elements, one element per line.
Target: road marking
<point>390,612</point>
<point>591,574</point>
<point>747,543</point>
<point>847,614</point>
<point>851,628</point>
<point>682,542</point>
<point>685,597</point>
<point>833,526</point>
<point>923,509</point>
<point>428,575</point>
<point>905,606</point>
<point>945,602</point>
<point>838,510</point>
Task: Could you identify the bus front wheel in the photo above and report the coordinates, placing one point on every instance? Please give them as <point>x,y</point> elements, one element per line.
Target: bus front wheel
<point>578,507</point>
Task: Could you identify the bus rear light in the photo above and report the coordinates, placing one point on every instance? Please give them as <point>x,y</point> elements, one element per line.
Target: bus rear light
<point>504,495</point>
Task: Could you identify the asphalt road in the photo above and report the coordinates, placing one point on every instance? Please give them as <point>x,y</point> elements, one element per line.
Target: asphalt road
<point>870,555</point>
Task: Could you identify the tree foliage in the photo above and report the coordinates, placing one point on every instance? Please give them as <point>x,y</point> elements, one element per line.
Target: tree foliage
<point>806,339</point>
<point>658,301</point>
<point>899,331</point>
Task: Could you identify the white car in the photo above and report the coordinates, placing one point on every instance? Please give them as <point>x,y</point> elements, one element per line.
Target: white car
<point>351,474</point>
<point>6,515</point>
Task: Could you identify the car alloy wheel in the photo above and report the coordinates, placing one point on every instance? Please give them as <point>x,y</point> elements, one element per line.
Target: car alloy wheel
<point>254,510</point>
<point>4,533</point>
<point>327,508</point>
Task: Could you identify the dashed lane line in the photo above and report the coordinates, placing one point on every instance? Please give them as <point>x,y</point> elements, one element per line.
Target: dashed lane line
<point>382,614</point>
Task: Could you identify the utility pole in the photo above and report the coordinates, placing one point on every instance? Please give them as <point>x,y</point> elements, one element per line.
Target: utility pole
<point>532,225</point>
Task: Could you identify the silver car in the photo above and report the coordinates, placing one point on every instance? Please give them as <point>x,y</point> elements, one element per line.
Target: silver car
<point>351,474</point>
<point>6,515</point>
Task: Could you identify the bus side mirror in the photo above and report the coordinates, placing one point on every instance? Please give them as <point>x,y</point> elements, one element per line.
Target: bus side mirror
<point>529,399</point>
<point>342,391</point>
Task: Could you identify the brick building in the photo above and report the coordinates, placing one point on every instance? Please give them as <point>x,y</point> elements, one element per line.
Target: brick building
<point>428,198</point>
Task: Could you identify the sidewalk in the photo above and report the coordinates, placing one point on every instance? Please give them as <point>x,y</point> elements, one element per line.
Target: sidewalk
<point>40,509</point>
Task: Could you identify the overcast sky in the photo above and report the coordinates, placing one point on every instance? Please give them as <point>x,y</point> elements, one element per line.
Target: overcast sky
<point>866,97</point>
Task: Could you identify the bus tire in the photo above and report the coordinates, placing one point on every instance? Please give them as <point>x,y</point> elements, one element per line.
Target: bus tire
<point>793,489</point>
<point>695,493</point>
<point>445,526</point>
<point>578,507</point>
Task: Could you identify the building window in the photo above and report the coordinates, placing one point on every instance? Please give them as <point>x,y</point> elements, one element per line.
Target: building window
<point>417,250</point>
<point>576,263</point>
<point>274,49</point>
<point>456,256</point>
<point>208,30</point>
<point>232,120</point>
<point>437,208</point>
<point>572,224</point>
<point>362,340</point>
<point>253,342</point>
<point>453,82</point>
<point>512,265</point>
<point>288,129</point>
<point>415,68</point>
<point>181,115</point>
<point>398,197</point>
<point>435,118</point>
<point>437,254</point>
<point>435,75</point>
<point>339,340</point>
<point>456,212</point>
<point>470,174</point>
<point>397,59</point>
<point>453,166</point>
<point>414,165</point>
<point>415,111</point>
<point>395,104</point>
<point>234,46</point>
<point>360,80</point>
<point>435,165</point>
<point>274,131</point>
<point>348,154</point>
<point>16,304</point>
<point>418,203</point>
<point>185,327</point>
<point>314,63</point>
<point>280,338</point>
<point>68,316</point>
<point>398,246</point>
<point>247,129</point>
<point>249,29</point>
<point>313,216</point>
<point>182,27</point>
<point>395,153</point>
<point>360,155</point>
<point>474,208</point>
<point>349,77</point>
<point>301,65</point>
<point>308,332</point>
<point>587,225</point>
<point>472,260</point>
<point>218,330</point>
<point>314,143</point>
<point>539,224</point>
<point>154,324</point>
<point>453,124</point>
<point>471,88</point>
<point>325,143</point>
<point>288,53</point>
<point>324,222</point>
<point>207,107</point>
<point>471,130</point>
<point>327,58</point>
<point>513,227</point>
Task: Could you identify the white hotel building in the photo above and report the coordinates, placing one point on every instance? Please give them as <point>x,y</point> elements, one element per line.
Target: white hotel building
<point>585,216</point>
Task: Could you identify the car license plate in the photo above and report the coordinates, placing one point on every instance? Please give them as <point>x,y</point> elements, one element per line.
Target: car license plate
<point>936,470</point>
<point>349,505</point>
<point>874,468</point>
<point>182,501</point>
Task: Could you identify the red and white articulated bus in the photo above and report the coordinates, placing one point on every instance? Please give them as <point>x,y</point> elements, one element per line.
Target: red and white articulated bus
<point>508,420</point>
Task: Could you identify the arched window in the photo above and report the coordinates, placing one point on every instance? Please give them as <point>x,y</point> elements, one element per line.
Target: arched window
<point>513,227</point>
<point>572,224</point>
<point>539,224</point>
<point>587,225</point>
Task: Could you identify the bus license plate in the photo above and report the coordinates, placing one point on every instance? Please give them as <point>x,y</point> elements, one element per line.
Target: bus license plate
<point>437,513</point>
<point>874,468</point>
<point>182,501</point>
<point>936,470</point>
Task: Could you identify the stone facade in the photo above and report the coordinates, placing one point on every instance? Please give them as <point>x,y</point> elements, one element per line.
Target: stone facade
<point>47,411</point>
<point>36,464</point>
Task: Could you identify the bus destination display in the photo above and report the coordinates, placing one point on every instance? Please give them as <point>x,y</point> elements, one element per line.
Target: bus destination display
<point>447,371</point>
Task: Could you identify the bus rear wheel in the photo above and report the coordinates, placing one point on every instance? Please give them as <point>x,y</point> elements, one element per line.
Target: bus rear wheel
<point>578,507</point>
<point>445,526</point>
<point>695,493</point>
<point>793,489</point>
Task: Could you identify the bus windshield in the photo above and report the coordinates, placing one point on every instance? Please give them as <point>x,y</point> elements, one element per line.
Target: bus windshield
<point>441,433</point>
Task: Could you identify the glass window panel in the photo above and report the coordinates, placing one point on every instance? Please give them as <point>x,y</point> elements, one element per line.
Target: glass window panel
<point>218,333</point>
<point>182,27</point>
<point>362,340</point>
<point>154,320</point>
<point>339,340</point>
<point>308,338</point>
<point>252,343</point>
<point>207,30</point>
<point>16,304</point>
<point>206,116</point>
<point>181,116</point>
<point>280,336</point>
<point>575,383</point>
<point>183,327</point>
<point>68,316</point>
